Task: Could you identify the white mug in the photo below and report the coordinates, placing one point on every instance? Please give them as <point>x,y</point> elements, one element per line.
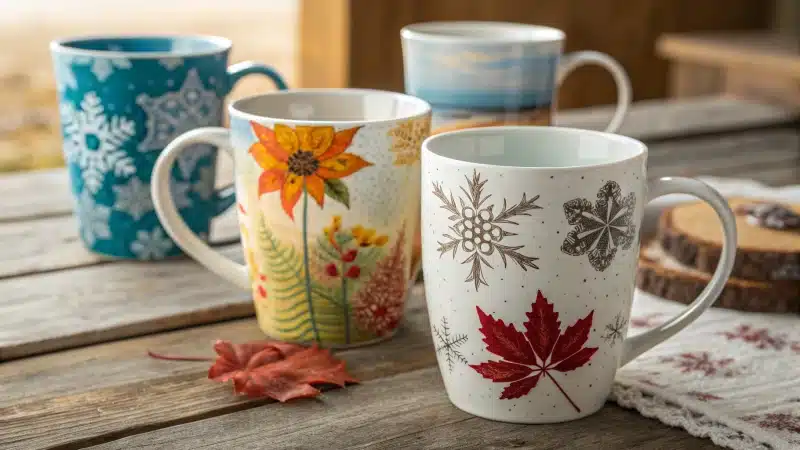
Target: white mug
<point>529,247</point>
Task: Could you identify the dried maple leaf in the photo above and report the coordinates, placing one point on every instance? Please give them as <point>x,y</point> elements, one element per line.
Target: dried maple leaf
<point>278,370</point>
<point>529,356</point>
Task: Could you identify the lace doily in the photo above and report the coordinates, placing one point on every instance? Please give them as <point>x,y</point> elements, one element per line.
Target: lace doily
<point>732,377</point>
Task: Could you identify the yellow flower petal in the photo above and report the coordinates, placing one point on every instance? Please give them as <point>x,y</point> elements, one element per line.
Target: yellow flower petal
<point>381,240</point>
<point>315,139</point>
<point>287,138</point>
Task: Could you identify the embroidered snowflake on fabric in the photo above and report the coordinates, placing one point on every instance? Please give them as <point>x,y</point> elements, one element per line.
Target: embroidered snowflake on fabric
<point>187,160</point>
<point>776,421</point>
<point>94,141</point>
<point>152,245</point>
<point>174,113</point>
<point>477,229</point>
<point>204,186</point>
<point>180,193</point>
<point>600,228</point>
<point>616,330</point>
<point>702,362</point>
<point>133,198</point>
<point>761,338</point>
<point>448,344</point>
<point>92,219</point>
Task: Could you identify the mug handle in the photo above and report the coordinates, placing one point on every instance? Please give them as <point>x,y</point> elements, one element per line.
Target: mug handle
<point>636,345</point>
<point>225,197</point>
<point>173,222</point>
<point>572,61</point>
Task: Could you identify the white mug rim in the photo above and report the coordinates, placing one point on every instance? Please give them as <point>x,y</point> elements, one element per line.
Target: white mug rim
<point>506,32</point>
<point>422,108</point>
<point>641,148</point>
<point>68,46</point>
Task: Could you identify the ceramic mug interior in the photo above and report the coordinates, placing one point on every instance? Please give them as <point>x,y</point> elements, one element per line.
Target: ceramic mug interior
<point>532,147</point>
<point>144,46</point>
<point>481,32</point>
<point>332,106</point>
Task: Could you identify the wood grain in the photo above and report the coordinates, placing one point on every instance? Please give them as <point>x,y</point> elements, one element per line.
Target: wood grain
<point>52,243</point>
<point>413,412</point>
<point>69,308</point>
<point>35,194</point>
<point>659,119</point>
<point>138,394</point>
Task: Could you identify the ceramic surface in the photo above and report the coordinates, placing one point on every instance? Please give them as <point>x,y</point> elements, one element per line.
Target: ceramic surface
<point>327,184</point>
<point>530,245</point>
<point>122,100</point>
<point>478,74</point>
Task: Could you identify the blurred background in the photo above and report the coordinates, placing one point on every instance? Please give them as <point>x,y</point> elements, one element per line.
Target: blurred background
<point>670,48</point>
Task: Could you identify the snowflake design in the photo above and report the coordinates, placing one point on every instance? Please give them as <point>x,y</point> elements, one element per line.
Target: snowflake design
<point>174,113</point>
<point>188,160</point>
<point>94,141</point>
<point>92,219</point>
<point>615,331</point>
<point>171,62</point>
<point>449,343</point>
<point>776,421</point>
<point>133,198</point>
<point>102,68</point>
<point>204,187</point>
<point>180,193</point>
<point>702,362</point>
<point>477,230</point>
<point>600,228</point>
<point>761,337</point>
<point>152,245</point>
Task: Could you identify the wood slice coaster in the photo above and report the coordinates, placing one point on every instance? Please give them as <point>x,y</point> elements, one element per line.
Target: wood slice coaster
<point>664,276</point>
<point>692,234</point>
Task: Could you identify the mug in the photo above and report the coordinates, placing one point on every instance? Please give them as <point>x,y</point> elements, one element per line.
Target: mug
<point>122,100</point>
<point>529,248</point>
<point>479,74</point>
<point>327,182</point>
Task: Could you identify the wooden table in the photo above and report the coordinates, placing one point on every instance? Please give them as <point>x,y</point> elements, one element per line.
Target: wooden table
<point>75,328</point>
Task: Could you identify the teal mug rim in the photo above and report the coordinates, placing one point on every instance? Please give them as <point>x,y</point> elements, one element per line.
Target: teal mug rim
<point>68,45</point>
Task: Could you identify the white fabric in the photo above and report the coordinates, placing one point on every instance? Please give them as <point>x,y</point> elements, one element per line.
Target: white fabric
<point>731,376</point>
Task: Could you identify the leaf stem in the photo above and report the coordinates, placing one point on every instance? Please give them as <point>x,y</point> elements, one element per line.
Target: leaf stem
<point>562,391</point>
<point>306,264</point>
<point>345,307</point>
<point>161,356</point>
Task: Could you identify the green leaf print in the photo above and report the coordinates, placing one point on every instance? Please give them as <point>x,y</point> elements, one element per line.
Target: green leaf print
<point>337,190</point>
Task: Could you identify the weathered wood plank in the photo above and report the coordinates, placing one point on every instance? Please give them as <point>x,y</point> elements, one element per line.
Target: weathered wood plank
<point>35,194</point>
<point>52,243</point>
<point>413,412</point>
<point>47,193</point>
<point>134,393</point>
<point>660,119</point>
<point>730,155</point>
<point>64,309</point>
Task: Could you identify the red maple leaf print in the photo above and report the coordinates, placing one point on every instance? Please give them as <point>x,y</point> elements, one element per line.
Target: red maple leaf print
<point>760,337</point>
<point>541,349</point>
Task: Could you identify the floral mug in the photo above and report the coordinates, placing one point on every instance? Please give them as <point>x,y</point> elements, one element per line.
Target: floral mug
<point>327,184</point>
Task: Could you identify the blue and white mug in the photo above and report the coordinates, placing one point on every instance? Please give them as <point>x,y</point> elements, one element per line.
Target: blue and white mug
<point>122,100</point>
<point>478,74</point>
